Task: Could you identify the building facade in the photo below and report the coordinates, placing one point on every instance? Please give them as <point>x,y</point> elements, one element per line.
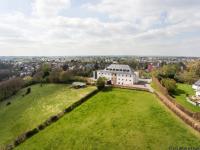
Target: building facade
<point>196,87</point>
<point>118,74</point>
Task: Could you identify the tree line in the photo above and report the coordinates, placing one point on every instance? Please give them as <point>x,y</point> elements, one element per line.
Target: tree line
<point>45,74</point>
<point>170,74</point>
<point>10,87</point>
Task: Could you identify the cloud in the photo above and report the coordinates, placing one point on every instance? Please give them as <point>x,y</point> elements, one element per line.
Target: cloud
<point>134,27</point>
<point>144,13</point>
<point>49,8</point>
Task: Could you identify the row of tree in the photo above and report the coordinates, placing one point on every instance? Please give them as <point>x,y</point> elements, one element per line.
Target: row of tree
<point>10,87</point>
<point>45,74</point>
<point>169,74</point>
<point>5,71</point>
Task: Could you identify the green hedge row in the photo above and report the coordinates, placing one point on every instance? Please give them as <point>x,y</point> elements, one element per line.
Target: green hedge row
<point>20,139</point>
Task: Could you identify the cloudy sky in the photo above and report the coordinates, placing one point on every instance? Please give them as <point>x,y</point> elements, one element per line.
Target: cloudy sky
<point>100,27</point>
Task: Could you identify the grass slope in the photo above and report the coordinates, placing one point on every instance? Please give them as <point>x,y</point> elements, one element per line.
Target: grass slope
<point>180,95</point>
<point>27,112</point>
<point>117,119</point>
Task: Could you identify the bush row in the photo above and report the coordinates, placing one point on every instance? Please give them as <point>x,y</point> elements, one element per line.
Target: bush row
<point>20,139</point>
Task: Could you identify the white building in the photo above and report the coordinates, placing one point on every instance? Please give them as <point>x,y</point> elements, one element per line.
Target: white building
<point>196,85</point>
<point>118,74</point>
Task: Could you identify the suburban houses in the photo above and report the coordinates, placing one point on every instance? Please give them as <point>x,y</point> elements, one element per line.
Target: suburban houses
<point>118,74</point>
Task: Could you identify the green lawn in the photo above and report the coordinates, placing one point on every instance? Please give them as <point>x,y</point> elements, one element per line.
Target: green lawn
<point>182,90</point>
<point>116,119</point>
<point>27,112</point>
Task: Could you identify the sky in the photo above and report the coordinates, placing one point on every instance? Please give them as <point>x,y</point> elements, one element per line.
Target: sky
<point>99,27</point>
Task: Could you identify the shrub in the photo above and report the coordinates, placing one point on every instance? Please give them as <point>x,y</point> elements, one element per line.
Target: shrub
<point>169,84</point>
<point>31,132</point>
<point>8,103</point>
<point>100,83</point>
<point>42,126</point>
<point>54,76</point>
<point>28,91</point>
<point>28,80</point>
<point>66,77</point>
<point>19,139</point>
<point>54,118</point>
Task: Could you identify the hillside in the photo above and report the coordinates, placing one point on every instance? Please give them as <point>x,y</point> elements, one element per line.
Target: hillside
<point>27,112</point>
<point>116,119</point>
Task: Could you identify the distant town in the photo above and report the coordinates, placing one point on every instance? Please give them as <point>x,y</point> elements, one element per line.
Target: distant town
<point>11,67</point>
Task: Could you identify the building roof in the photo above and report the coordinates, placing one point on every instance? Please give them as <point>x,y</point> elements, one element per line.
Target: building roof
<point>118,68</point>
<point>118,72</point>
<point>197,83</point>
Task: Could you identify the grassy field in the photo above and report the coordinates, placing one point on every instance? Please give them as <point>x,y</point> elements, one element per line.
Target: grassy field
<point>116,119</point>
<point>180,95</point>
<point>27,112</point>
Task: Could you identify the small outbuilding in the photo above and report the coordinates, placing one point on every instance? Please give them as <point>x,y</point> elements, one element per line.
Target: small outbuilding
<point>78,84</point>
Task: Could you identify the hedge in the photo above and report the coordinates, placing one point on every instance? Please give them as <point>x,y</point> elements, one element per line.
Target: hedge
<point>21,138</point>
